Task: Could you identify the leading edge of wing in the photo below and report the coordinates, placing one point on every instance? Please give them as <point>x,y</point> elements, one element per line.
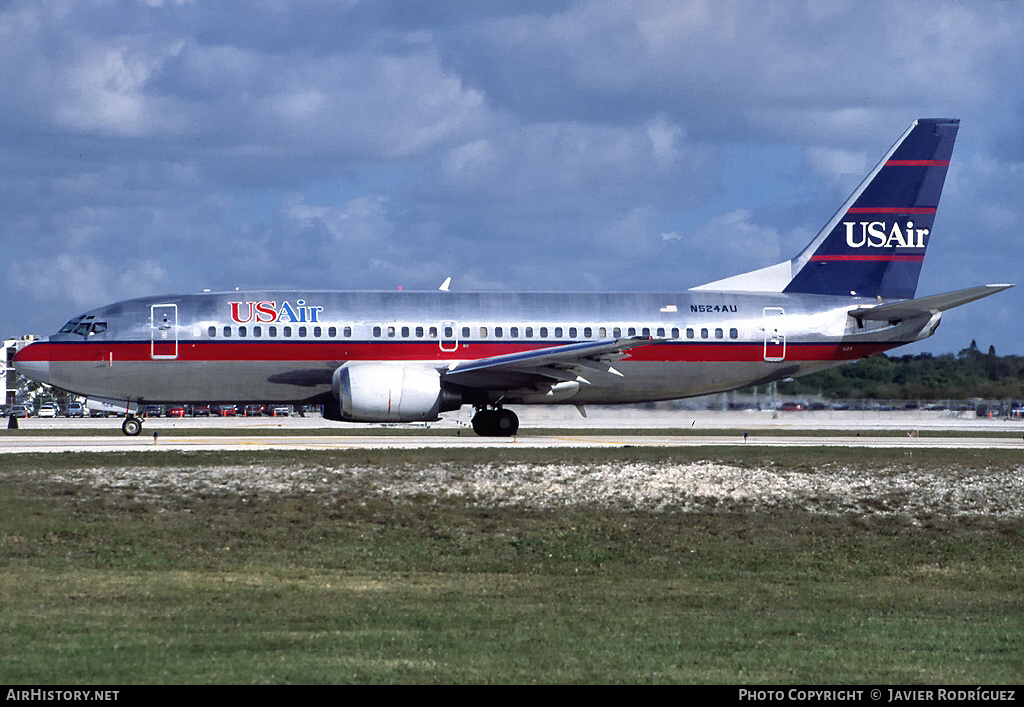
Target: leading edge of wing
<point>922,305</point>
<point>550,363</point>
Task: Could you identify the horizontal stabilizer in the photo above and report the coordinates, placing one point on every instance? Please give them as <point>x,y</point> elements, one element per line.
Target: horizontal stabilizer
<point>896,311</point>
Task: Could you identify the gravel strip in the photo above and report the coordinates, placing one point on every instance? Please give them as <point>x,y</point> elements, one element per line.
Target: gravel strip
<point>667,487</point>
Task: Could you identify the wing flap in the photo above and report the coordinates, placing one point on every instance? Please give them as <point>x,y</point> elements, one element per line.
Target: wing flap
<point>544,366</point>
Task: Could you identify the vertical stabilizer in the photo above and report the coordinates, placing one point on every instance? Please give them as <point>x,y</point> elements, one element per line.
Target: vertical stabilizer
<point>874,246</point>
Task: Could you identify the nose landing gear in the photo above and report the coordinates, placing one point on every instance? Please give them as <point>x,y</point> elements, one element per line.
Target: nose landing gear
<point>495,422</point>
<point>131,426</point>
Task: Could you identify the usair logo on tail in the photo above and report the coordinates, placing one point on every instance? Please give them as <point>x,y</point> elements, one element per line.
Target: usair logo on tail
<point>877,234</point>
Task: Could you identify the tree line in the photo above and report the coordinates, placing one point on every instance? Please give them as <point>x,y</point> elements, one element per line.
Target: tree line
<point>966,374</point>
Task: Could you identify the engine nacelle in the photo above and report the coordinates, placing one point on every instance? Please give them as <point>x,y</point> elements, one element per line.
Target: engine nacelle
<point>391,392</point>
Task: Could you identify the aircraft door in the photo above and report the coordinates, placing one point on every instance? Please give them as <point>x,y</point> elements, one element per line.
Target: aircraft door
<point>774,334</point>
<point>163,329</point>
<point>448,339</point>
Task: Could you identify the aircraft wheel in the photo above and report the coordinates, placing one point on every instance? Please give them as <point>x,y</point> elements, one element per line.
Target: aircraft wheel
<point>495,423</point>
<point>483,423</point>
<point>507,423</point>
<point>131,426</point>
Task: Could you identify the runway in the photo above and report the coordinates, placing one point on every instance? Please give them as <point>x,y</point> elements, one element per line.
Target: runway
<point>14,444</point>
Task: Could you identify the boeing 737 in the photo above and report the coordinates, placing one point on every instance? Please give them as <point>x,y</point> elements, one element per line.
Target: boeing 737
<point>406,356</point>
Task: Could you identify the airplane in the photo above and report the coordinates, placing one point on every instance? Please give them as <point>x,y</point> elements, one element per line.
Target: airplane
<point>404,356</point>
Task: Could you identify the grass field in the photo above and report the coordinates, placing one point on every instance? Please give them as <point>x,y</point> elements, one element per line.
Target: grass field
<point>326,573</point>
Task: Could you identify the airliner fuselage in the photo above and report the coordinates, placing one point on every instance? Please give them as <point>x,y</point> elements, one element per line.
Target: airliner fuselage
<point>285,346</point>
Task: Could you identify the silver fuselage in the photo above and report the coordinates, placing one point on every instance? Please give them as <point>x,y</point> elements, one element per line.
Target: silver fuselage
<point>284,346</point>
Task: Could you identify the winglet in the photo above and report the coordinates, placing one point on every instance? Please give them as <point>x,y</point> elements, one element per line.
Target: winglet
<point>445,284</point>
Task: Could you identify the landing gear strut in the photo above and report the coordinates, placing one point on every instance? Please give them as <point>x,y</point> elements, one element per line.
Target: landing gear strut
<point>495,422</point>
<point>131,426</point>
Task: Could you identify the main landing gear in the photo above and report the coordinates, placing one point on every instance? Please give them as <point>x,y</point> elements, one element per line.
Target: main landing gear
<point>495,422</point>
<point>131,426</point>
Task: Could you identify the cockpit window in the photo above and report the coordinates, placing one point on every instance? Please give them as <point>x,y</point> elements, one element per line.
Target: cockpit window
<point>83,326</point>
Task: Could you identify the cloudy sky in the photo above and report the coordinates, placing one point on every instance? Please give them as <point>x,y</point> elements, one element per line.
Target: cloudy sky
<point>157,146</point>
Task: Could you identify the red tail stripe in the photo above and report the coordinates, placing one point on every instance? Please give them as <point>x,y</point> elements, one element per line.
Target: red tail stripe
<point>917,163</point>
<point>891,210</point>
<point>893,258</point>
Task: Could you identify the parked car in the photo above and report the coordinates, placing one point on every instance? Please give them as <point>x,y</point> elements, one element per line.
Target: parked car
<point>175,411</point>
<point>790,406</point>
<point>22,411</point>
<point>75,409</point>
<point>48,410</point>
<point>152,411</point>
<point>280,410</point>
<point>253,410</point>
<point>200,411</point>
<point>224,410</point>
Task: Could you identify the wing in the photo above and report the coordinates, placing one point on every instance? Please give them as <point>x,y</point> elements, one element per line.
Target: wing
<point>545,366</point>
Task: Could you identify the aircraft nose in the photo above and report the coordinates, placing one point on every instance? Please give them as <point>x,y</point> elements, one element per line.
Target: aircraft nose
<point>32,364</point>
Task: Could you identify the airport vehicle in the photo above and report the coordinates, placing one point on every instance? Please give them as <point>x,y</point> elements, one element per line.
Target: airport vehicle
<point>75,409</point>
<point>410,356</point>
<point>48,410</point>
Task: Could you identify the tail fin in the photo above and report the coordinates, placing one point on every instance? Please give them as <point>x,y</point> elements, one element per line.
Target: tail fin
<point>875,244</point>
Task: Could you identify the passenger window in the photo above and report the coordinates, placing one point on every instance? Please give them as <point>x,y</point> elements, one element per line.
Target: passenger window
<point>588,333</point>
<point>689,333</point>
<point>719,334</point>
<point>302,331</point>
<point>734,334</point>
<point>317,331</point>
<point>675,332</point>
<point>419,332</point>
<point>405,332</point>
<point>703,333</point>
<point>257,331</point>
<point>391,332</point>
<point>432,332</point>
<point>449,332</point>
<point>287,331</point>
<point>212,331</point>
<point>602,333</point>
<point>617,332</point>
<point>483,332</point>
<point>543,332</point>
<point>242,331</point>
<point>465,332</point>
<point>661,331</point>
<point>497,332</point>
<point>272,331</point>
<point>646,331</point>
<point>558,332</point>
<point>529,332</point>
<point>376,331</point>
<point>513,332</point>
<point>632,331</point>
<point>333,332</point>
<point>572,332</point>
<point>227,331</point>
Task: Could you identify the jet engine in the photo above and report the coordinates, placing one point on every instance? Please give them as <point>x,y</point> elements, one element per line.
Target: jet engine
<point>391,392</point>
